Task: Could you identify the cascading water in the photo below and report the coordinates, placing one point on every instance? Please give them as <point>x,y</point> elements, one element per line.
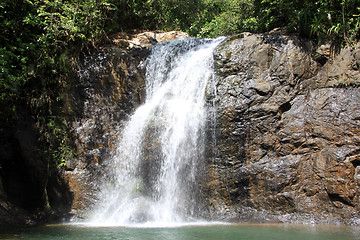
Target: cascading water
<point>160,154</point>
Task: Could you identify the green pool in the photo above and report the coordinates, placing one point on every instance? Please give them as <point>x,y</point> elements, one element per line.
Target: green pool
<point>190,232</point>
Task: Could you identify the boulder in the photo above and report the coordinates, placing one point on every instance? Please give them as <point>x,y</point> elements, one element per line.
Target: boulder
<point>145,39</point>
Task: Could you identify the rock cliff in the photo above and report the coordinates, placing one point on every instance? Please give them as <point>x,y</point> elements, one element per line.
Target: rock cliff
<point>108,86</point>
<point>285,145</point>
<point>287,132</point>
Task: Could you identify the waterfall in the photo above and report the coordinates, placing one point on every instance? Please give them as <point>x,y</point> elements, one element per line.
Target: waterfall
<point>160,156</point>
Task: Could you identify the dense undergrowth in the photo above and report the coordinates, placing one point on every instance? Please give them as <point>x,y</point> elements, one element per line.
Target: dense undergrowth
<point>42,39</point>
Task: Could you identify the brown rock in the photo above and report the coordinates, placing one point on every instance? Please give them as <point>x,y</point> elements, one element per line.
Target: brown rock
<point>287,148</point>
<point>108,87</point>
<point>145,39</point>
<point>298,143</point>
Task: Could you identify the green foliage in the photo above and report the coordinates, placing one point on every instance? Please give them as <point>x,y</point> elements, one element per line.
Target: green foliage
<point>227,17</point>
<point>15,50</point>
<point>39,43</point>
<point>54,132</point>
<point>168,15</point>
<point>337,22</point>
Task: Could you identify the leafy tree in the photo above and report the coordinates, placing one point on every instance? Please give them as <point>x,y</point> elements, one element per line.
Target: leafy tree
<point>15,56</point>
<point>39,45</point>
<point>323,20</point>
<point>227,17</point>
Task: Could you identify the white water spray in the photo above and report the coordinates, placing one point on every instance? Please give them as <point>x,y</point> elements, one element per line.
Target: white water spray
<point>161,150</point>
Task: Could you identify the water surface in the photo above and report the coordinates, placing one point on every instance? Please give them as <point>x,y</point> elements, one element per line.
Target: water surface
<point>194,232</point>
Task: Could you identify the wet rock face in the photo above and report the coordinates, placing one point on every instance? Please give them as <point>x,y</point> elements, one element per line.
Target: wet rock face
<point>285,145</point>
<point>342,70</point>
<point>108,86</point>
